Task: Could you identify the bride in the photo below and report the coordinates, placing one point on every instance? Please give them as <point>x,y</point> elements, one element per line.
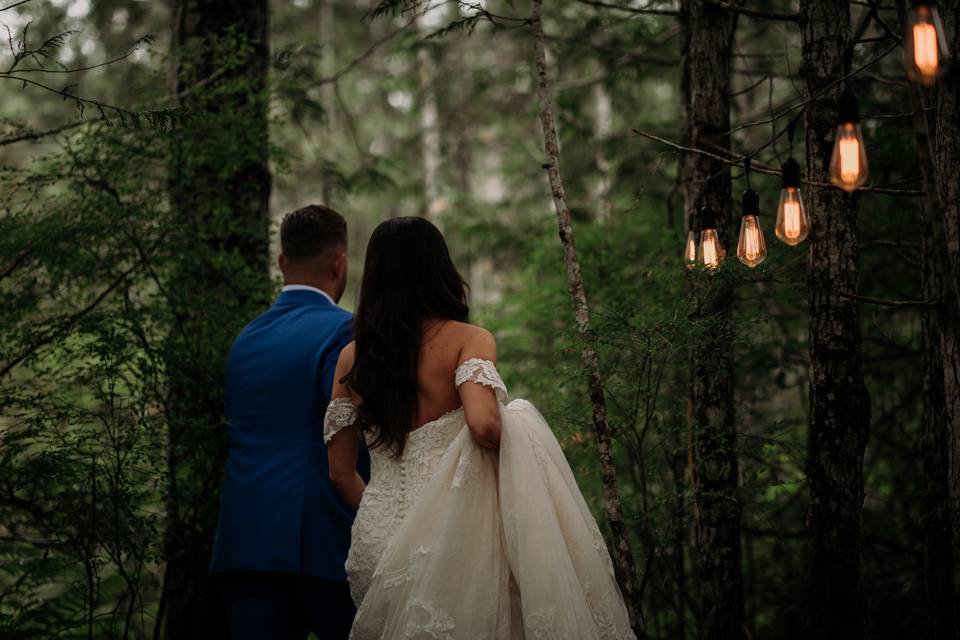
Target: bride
<point>472,525</point>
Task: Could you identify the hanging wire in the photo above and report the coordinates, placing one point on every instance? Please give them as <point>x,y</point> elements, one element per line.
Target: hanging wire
<point>791,130</point>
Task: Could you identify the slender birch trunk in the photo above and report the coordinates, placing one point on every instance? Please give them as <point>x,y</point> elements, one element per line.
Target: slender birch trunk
<point>623,555</point>
<point>429,124</point>
<point>839,402</point>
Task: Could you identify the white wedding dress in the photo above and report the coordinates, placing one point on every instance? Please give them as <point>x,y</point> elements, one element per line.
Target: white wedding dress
<point>450,538</point>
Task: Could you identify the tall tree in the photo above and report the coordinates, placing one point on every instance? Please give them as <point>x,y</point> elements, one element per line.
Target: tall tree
<point>947,154</point>
<point>839,403</point>
<point>935,446</point>
<point>622,552</point>
<point>219,189</point>
<point>429,119</point>
<point>708,41</point>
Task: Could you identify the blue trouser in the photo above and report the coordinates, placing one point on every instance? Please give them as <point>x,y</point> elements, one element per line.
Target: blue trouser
<point>283,606</point>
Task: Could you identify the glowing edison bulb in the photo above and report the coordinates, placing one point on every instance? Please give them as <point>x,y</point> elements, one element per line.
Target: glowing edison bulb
<point>752,248</point>
<point>925,54</point>
<point>793,225</point>
<point>925,47</point>
<point>711,254</point>
<point>690,251</point>
<point>848,164</point>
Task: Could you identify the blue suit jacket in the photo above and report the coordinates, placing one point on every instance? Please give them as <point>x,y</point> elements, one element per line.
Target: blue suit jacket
<point>278,510</point>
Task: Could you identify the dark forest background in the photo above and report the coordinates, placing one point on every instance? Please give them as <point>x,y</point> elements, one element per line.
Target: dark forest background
<point>782,439</point>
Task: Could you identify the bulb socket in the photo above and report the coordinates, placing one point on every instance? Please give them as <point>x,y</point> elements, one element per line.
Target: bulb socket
<point>922,3</point>
<point>848,108</point>
<point>708,219</point>
<point>790,174</point>
<point>750,203</point>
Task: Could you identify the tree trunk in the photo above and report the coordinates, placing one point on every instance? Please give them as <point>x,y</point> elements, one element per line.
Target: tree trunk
<point>623,554</point>
<point>219,278</point>
<point>839,403</point>
<point>430,150</point>
<point>602,126</point>
<point>934,444</point>
<point>706,182</point>
<point>947,158</point>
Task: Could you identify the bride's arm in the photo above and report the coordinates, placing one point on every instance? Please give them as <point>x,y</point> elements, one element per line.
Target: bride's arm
<point>344,447</point>
<point>480,407</point>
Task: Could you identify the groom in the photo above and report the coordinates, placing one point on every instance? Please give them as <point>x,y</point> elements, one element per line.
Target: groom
<point>283,533</point>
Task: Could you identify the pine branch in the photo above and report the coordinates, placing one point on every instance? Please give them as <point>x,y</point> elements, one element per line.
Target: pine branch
<point>71,320</point>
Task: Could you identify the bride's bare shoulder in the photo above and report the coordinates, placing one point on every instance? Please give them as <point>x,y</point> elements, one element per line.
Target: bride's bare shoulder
<point>474,341</point>
<point>347,355</point>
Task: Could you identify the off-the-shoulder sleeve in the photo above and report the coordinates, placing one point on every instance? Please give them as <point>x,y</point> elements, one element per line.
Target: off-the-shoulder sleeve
<point>341,413</point>
<point>482,372</point>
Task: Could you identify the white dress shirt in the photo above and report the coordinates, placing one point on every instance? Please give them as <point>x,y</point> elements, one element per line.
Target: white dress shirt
<point>306,287</point>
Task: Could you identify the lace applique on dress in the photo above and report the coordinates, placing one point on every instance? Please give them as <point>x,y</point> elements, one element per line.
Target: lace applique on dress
<point>341,413</point>
<point>482,372</point>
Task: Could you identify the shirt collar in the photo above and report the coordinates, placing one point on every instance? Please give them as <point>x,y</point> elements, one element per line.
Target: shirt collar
<point>306,287</point>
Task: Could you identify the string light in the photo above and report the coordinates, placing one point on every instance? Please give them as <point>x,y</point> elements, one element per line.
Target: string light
<point>690,249</point>
<point>848,162</point>
<point>752,248</point>
<point>793,224</point>
<point>710,253</point>
<point>925,51</point>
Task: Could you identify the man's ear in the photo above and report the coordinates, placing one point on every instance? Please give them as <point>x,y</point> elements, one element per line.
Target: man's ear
<point>340,264</point>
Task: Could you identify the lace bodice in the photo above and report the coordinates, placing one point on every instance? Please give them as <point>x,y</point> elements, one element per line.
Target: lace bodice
<point>341,412</point>
<point>396,482</point>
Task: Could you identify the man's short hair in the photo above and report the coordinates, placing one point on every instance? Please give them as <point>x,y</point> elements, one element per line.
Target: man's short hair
<point>311,231</point>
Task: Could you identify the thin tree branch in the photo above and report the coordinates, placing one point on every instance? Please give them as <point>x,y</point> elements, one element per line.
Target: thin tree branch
<point>888,303</point>
<point>802,105</point>
<point>768,170</point>
<point>17,261</point>
<point>15,4</point>
<point>637,10</point>
<point>76,317</point>
<point>753,13</point>
<point>365,55</point>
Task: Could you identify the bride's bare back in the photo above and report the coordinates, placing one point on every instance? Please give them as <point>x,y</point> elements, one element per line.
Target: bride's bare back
<point>445,345</point>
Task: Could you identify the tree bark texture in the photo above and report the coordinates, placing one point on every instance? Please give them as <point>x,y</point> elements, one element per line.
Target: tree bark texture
<point>947,161</point>
<point>839,402</point>
<point>622,552</point>
<point>705,86</point>
<point>218,279</point>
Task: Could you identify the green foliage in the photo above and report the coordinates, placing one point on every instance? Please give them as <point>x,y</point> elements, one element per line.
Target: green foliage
<point>113,338</point>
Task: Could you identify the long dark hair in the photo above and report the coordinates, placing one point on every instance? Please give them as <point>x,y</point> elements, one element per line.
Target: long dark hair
<point>408,277</point>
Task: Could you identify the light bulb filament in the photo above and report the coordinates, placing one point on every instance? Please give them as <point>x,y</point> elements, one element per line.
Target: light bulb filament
<point>710,257</point>
<point>849,159</point>
<point>925,50</point>
<point>791,220</point>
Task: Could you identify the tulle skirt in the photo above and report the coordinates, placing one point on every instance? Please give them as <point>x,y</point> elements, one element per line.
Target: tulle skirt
<point>489,532</point>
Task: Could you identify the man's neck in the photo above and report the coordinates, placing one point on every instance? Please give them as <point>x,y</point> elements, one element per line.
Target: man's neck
<point>321,286</point>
